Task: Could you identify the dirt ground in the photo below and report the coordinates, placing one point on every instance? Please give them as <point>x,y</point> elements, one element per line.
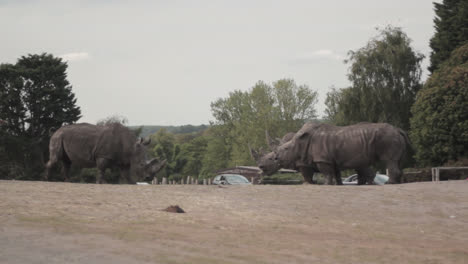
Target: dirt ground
<point>45,222</point>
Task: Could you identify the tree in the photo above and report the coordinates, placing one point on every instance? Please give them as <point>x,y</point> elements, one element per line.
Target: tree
<point>35,97</point>
<point>385,76</point>
<point>451,30</point>
<point>113,119</point>
<point>166,148</point>
<point>278,108</point>
<point>218,150</point>
<point>439,126</point>
<point>193,153</point>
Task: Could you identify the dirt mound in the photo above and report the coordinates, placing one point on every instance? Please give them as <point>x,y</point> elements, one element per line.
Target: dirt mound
<point>174,209</point>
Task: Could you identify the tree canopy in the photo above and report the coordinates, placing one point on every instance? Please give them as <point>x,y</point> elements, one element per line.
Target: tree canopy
<point>385,76</point>
<point>439,126</point>
<point>35,97</point>
<point>279,108</point>
<point>451,30</point>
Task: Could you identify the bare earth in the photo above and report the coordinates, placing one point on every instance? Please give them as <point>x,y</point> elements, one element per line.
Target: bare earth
<point>44,222</point>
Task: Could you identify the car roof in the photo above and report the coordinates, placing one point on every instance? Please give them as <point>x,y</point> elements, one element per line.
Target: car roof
<point>230,174</point>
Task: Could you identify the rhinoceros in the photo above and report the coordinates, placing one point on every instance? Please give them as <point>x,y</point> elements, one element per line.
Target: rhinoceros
<point>261,157</point>
<point>88,146</point>
<point>329,149</point>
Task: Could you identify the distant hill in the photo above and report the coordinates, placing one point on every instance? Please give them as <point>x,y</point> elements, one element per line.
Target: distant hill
<point>185,129</point>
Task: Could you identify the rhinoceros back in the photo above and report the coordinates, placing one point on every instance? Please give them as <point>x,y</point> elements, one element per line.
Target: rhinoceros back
<point>84,143</point>
<point>350,146</point>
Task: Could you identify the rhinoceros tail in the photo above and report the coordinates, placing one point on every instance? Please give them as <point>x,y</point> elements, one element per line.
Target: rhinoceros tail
<point>405,136</point>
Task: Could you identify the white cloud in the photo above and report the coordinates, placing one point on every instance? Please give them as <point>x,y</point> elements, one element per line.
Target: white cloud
<point>312,56</point>
<point>323,53</point>
<point>75,56</point>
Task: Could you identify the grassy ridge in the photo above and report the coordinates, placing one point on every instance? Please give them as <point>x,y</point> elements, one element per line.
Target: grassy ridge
<point>185,129</point>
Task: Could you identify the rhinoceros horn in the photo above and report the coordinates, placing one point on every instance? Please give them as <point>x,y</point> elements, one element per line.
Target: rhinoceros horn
<point>155,161</point>
<point>272,143</point>
<point>254,154</point>
<point>147,141</point>
<point>143,141</point>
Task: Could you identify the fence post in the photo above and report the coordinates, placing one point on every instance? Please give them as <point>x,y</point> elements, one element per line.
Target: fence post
<point>164,180</point>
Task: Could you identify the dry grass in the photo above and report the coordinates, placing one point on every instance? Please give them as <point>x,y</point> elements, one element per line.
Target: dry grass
<point>86,223</point>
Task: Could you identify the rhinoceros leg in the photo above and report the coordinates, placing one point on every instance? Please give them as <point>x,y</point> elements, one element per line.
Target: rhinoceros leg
<point>394,171</point>
<point>66,170</point>
<point>365,175</point>
<point>308,174</point>
<point>102,164</point>
<point>50,164</point>
<point>125,176</point>
<point>338,179</point>
<point>331,172</point>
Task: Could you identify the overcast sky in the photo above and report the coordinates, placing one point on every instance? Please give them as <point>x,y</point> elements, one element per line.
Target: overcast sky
<point>163,62</point>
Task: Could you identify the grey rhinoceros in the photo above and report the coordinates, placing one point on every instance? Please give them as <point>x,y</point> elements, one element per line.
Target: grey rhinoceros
<point>307,171</point>
<point>329,149</point>
<point>87,146</point>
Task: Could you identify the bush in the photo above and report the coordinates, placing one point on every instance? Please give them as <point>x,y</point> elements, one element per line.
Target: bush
<point>283,178</point>
<point>439,126</point>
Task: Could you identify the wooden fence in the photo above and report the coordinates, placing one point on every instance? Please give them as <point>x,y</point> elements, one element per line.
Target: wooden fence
<point>436,171</point>
<point>186,181</point>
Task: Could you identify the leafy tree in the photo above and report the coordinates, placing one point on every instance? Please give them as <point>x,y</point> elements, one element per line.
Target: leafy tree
<point>278,108</point>
<point>451,25</point>
<point>113,119</point>
<point>165,147</point>
<point>218,151</point>
<point>35,97</point>
<point>385,76</point>
<point>194,152</point>
<point>184,153</point>
<point>439,126</point>
<point>338,99</point>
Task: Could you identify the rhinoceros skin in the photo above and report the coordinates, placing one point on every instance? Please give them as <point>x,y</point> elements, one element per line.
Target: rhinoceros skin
<point>86,146</point>
<point>329,149</point>
<point>268,161</point>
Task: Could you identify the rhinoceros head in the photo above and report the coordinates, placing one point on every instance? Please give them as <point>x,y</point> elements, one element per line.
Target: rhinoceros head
<point>268,163</point>
<point>280,157</point>
<point>143,169</point>
<point>152,167</point>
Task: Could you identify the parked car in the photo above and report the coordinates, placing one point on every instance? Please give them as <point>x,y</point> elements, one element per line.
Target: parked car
<point>350,180</point>
<point>231,179</point>
<point>379,179</point>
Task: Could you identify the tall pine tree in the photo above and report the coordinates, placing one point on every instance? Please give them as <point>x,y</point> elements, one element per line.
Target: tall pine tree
<point>451,25</point>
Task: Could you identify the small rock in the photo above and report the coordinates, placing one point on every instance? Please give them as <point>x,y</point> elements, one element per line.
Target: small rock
<point>174,209</point>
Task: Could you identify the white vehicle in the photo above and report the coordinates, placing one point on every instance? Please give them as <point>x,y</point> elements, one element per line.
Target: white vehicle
<point>380,179</point>
<point>231,179</point>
